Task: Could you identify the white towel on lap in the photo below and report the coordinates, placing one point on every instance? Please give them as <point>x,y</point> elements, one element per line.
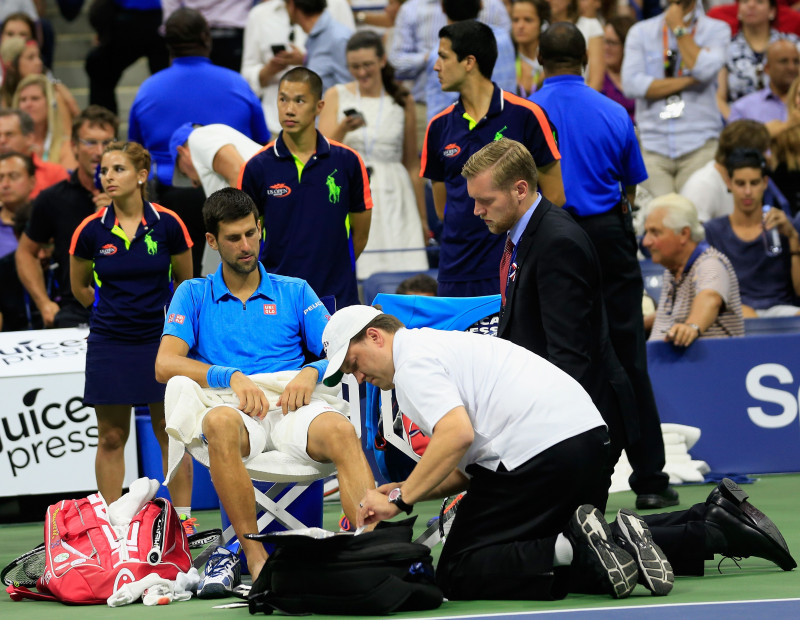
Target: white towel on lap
<point>185,402</point>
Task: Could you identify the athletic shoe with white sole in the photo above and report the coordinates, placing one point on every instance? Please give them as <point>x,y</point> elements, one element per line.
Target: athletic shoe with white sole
<point>222,575</point>
<point>655,571</point>
<point>596,554</point>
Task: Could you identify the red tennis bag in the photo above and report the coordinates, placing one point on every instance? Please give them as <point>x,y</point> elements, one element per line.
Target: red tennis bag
<point>87,561</point>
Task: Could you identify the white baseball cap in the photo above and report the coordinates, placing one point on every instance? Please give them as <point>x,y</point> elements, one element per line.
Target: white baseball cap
<point>342,327</point>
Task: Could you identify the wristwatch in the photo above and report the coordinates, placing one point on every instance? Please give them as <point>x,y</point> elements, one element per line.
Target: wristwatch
<point>695,327</point>
<point>361,17</point>
<point>680,31</point>
<point>396,497</point>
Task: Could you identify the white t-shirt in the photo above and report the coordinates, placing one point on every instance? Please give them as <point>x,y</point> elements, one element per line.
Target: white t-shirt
<point>205,142</point>
<point>707,190</point>
<point>519,403</point>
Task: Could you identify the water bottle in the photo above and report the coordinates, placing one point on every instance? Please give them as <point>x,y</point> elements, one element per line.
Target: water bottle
<point>772,240</point>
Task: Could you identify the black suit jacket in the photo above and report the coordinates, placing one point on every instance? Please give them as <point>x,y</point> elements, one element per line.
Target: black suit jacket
<point>554,307</point>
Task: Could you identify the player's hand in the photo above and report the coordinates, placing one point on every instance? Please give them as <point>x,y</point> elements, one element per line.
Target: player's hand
<point>682,335</point>
<point>298,391</point>
<point>48,312</point>
<point>252,399</point>
<point>375,507</point>
<point>385,489</point>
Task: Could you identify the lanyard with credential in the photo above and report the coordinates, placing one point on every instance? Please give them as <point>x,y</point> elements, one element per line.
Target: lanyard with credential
<point>669,56</point>
<point>368,146</point>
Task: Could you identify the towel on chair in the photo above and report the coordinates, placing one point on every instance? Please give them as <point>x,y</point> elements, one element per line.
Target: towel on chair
<point>185,402</point>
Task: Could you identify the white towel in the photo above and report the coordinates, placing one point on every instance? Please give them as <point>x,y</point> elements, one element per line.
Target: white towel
<point>126,507</point>
<point>185,402</point>
<point>153,589</point>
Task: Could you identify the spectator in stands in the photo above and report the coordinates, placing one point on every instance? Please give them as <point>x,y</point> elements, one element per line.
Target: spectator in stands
<point>314,195</point>
<point>17,178</point>
<point>16,134</point>
<point>420,284</point>
<point>528,17</point>
<point>503,74</point>
<point>57,212</point>
<point>181,94</point>
<point>700,291</point>
<point>785,150</point>
<point>769,283</point>
<point>707,188</point>
<point>124,260</point>
<point>768,105</point>
<point>417,37</point>
<point>126,31</point>
<point>268,27</point>
<point>383,132</point>
<point>592,31</point>
<point>744,71</point>
<point>786,19</point>
<point>226,19</point>
<point>326,42</point>
<point>469,252</point>
<point>17,312</point>
<point>614,34</point>
<point>670,68</point>
<point>36,97</point>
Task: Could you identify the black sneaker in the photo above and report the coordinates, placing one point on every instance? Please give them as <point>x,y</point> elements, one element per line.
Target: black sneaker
<point>655,571</point>
<point>597,555</point>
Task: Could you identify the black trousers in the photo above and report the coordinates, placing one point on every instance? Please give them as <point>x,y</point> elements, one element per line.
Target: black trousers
<point>502,541</point>
<point>187,202</point>
<point>614,238</point>
<point>681,536</point>
<point>132,34</point>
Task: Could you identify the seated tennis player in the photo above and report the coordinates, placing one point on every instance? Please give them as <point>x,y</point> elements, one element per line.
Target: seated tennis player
<point>242,321</point>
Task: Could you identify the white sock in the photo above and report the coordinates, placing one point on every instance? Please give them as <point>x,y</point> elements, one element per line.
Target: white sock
<point>563,552</point>
<point>184,511</point>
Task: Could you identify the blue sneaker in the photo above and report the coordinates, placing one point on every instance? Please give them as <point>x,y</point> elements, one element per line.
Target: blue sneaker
<point>221,576</point>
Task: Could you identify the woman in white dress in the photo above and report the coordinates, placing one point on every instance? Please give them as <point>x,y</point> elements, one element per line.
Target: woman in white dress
<point>375,116</point>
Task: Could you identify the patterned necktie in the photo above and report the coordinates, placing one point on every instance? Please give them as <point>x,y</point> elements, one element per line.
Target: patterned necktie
<point>505,263</point>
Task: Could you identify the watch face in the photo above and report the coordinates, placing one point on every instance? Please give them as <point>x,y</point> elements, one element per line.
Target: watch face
<point>394,494</point>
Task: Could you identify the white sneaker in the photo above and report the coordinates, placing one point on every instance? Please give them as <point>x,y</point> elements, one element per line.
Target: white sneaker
<point>221,576</point>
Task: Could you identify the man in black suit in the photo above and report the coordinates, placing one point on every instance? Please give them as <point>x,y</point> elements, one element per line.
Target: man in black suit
<point>552,305</point>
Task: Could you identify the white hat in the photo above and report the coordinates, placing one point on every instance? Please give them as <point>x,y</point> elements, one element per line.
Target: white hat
<point>342,327</point>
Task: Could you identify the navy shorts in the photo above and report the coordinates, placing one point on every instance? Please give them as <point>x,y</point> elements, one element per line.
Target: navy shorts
<point>121,373</point>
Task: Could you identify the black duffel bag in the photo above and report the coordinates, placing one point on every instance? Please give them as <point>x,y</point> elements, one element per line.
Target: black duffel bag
<point>374,573</point>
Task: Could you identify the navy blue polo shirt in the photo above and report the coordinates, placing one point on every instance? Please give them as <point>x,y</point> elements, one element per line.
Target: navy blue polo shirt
<point>265,334</point>
<point>468,250</point>
<point>306,223</point>
<point>597,164</point>
<point>132,278</point>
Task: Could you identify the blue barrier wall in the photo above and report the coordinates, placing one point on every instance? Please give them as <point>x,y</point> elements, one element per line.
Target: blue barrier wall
<point>741,392</point>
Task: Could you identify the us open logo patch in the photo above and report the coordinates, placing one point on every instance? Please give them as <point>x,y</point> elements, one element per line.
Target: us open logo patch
<point>107,250</point>
<point>270,309</point>
<point>279,190</point>
<point>451,150</point>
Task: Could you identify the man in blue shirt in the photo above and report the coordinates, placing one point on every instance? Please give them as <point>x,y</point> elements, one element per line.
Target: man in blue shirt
<point>191,90</point>
<point>242,321</point>
<point>601,171</point>
<point>313,194</point>
<point>469,253</point>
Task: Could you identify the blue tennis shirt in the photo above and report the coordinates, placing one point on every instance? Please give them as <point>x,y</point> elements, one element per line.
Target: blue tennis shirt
<point>281,320</point>
<point>306,213</point>
<point>601,154</point>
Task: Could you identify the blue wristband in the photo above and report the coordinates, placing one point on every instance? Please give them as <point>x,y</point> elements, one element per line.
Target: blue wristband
<point>220,376</point>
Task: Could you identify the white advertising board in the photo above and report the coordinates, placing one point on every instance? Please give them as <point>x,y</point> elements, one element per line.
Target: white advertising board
<point>48,438</point>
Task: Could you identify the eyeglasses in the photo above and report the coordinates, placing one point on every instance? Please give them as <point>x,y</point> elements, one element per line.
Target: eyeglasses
<point>93,143</point>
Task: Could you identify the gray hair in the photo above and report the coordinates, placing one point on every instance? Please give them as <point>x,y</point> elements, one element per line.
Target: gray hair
<point>680,214</point>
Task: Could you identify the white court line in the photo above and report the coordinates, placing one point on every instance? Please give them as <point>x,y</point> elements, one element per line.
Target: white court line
<point>596,609</point>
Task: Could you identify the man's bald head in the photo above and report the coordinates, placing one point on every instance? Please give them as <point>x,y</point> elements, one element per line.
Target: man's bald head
<point>783,65</point>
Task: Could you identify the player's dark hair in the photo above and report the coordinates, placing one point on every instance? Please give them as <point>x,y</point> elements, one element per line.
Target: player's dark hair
<point>227,205</point>
<point>472,38</point>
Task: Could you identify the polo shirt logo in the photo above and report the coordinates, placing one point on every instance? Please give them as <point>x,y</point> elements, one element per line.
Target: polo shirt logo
<point>333,189</point>
<point>270,309</point>
<point>152,246</point>
<point>108,249</point>
<point>499,135</point>
<point>176,318</point>
<point>279,190</point>
<point>451,150</point>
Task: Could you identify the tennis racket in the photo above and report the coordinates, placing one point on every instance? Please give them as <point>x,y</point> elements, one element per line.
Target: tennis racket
<point>439,527</point>
<point>26,569</point>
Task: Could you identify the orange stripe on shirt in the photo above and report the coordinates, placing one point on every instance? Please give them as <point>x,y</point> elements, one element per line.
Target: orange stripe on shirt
<point>268,145</point>
<point>364,175</point>
<point>424,158</point>
<point>541,117</point>
<point>186,236</point>
<point>80,228</point>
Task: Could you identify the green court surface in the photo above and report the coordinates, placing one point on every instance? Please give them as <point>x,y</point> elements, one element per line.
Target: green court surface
<point>778,496</point>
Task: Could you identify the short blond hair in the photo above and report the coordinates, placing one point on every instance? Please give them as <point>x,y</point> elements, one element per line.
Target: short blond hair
<point>508,160</point>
